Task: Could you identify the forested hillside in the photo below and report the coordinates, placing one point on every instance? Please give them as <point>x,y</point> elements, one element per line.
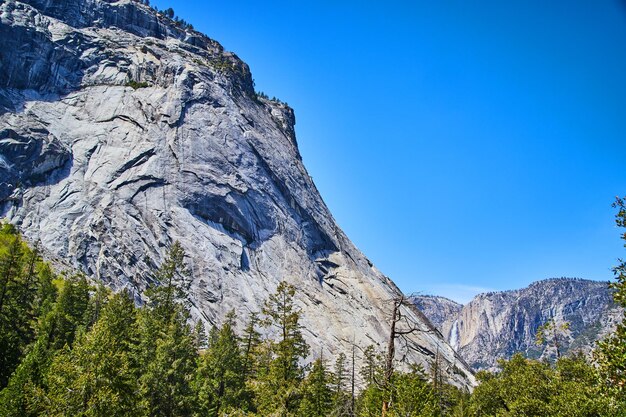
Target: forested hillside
<point>71,347</point>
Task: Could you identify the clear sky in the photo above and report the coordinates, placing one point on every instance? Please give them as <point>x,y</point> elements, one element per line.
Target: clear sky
<point>462,147</point>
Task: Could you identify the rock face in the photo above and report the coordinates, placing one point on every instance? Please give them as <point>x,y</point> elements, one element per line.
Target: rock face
<point>121,133</point>
<point>498,324</point>
<point>440,310</point>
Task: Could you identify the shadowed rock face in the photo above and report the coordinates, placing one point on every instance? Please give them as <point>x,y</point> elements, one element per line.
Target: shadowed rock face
<point>498,324</point>
<point>121,133</point>
<point>31,154</point>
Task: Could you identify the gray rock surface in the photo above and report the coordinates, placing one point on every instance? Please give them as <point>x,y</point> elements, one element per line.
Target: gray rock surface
<point>440,310</point>
<point>498,324</point>
<point>121,133</point>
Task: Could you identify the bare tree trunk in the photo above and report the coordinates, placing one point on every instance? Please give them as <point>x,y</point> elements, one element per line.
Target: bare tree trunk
<point>391,352</point>
<point>556,342</point>
<point>401,327</point>
<point>352,400</point>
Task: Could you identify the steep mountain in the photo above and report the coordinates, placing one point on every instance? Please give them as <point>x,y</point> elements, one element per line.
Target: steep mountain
<point>439,311</point>
<point>122,131</point>
<point>498,324</point>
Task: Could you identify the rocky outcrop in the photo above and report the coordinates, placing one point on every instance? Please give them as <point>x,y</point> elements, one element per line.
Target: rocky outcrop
<point>498,324</point>
<point>121,133</point>
<point>440,310</point>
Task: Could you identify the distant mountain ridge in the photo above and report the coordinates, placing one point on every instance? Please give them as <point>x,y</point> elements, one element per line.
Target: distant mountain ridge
<point>496,325</point>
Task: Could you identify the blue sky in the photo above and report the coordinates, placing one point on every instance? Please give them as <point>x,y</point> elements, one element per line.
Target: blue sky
<point>461,147</point>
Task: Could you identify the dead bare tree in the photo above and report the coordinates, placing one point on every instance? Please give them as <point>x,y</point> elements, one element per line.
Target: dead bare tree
<point>401,326</point>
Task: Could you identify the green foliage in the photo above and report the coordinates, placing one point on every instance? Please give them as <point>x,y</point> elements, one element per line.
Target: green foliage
<point>448,400</point>
<point>98,376</point>
<point>260,95</point>
<point>71,348</point>
<point>173,278</point>
<point>222,64</point>
<point>136,84</point>
<point>526,387</point>
<point>165,385</point>
<point>372,369</point>
<point>167,349</point>
<point>611,352</point>
<point>370,400</point>
<point>170,14</point>
<point>218,382</point>
<point>201,342</point>
<point>282,315</point>
<point>317,396</point>
<point>340,383</point>
<point>279,379</point>
<point>552,334</point>
<point>26,292</point>
<point>521,388</point>
<point>57,329</point>
<point>67,317</point>
<point>25,394</point>
<point>250,348</point>
<point>411,395</point>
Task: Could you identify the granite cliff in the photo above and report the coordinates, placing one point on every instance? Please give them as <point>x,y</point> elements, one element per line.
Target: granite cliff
<point>498,324</point>
<point>122,132</point>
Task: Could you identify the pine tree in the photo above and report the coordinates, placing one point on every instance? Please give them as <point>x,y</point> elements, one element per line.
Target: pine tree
<point>173,278</point>
<point>167,350</point>
<point>371,370</point>
<point>11,262</point>
<point>97,302</point>
<point>317,400</point>
<point>250,342</point>
<point>25,394</point>
<point>372,374</point>
<point>341,403</point>
<point>46,290</point>
<point>218,379</point>
<point>414,396</point>
<point>252,359</point>
<point>98,376</point>
<point>199,336</point>
<point>166,381</point>
<point>166,302</point>
<point>67,317</point>
<point>25,291</point>
<point>282,314</point>
<point>280,383</point>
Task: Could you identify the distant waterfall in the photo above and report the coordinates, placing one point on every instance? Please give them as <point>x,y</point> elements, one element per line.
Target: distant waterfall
<point>454,335</point>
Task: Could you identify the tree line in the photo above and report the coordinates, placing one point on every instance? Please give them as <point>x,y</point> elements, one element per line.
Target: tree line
<point>69,347</point>
<point>169,13</point>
